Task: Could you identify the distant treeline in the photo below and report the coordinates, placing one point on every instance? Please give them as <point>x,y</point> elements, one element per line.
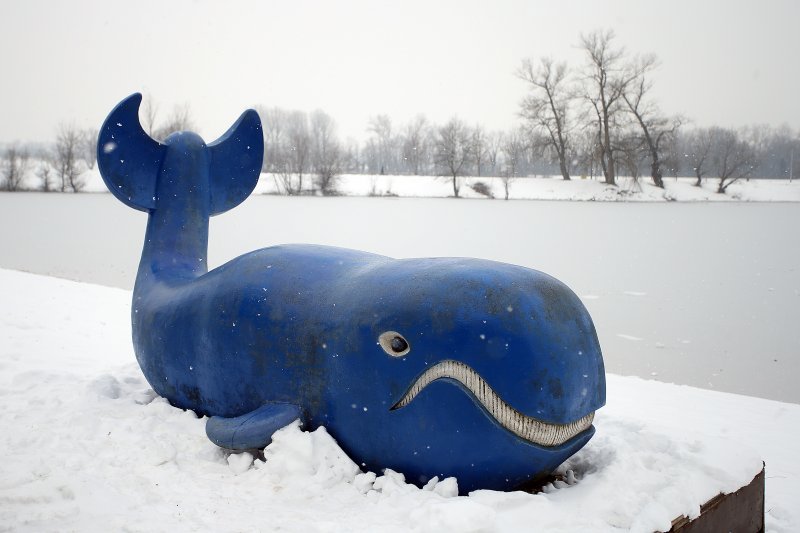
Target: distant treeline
<point>597,119</point>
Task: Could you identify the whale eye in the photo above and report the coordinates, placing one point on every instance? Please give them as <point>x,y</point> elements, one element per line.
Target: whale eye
<point>394,344</point>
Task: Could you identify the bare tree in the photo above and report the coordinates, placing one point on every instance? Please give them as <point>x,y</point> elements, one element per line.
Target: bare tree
<point>760,139</point>
<point>513,148</point>
<point>381,128</point>
<point>149,112</point>
<point>587,151</point>
<point>89,146</point>
<point>415,146</point>
<point>656,129</point>
<point>287,147</point>
<point>494,144</point>
<point>606,78</point>
<point>273,122</point>
<point>698,145</point>
<point>299,148</point>
<point>66,158</point>
<point>785,150</point>
<point>45,172</point>
<point>452,150</point>
<point>326,155</point>
<point>371,156</point>
<point>284,179</point>
<point>478,147</point>
<point>351,157</point>
<point>180,119</point>
<point>546,106</point>
<point>733,158</point>
<point>777,148</point>
<point>672,156</point>
<point>14,167</point>
<point>630,150</point>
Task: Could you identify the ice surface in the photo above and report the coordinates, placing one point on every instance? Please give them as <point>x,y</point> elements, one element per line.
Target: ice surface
<point>86,447</point>
<point>723,275</point>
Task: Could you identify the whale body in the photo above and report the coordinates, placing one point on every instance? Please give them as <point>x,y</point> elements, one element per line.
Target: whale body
<point>476,369</point>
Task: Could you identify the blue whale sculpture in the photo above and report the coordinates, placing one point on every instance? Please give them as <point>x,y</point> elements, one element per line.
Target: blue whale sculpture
<point>432,367</point>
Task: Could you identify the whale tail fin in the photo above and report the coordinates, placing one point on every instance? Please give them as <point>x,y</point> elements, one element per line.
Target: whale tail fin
<point>253,430</point>
<point>236,160</point>
<point>130,161</point>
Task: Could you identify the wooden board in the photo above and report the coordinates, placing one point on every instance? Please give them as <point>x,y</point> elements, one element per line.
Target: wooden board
<point>740,511</point>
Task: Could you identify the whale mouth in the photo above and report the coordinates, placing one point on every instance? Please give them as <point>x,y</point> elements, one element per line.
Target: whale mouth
<point>523,426</point>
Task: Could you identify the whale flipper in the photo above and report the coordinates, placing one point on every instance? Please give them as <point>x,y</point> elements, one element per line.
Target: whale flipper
<point>252,430</point>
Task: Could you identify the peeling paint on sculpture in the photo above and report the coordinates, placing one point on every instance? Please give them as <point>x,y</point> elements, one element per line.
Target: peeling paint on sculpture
<point>453,367</point>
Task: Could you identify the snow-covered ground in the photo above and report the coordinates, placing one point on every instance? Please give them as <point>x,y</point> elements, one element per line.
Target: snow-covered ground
<point>88,447</point>
<point>538,188</point>
<point>555,188</point>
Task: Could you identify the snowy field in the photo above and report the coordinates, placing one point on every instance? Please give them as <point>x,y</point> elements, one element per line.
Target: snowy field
<point>88,447</point>
<point>555,188</point>
<point>537,188</point>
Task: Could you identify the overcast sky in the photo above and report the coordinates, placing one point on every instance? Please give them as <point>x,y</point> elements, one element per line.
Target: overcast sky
<point>731,62</point>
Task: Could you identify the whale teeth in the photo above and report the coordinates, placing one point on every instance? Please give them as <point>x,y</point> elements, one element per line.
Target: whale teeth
<point>525,427</point>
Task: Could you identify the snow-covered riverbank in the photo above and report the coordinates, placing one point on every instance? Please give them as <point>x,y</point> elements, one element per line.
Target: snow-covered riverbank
<point>89,447</point>
<point>537,188</point>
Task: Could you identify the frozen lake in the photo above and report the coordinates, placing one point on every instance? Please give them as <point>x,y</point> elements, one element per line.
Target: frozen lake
<point>693,293</point>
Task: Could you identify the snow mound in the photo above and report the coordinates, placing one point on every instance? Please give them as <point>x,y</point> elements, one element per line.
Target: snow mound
<point>88,446</point>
